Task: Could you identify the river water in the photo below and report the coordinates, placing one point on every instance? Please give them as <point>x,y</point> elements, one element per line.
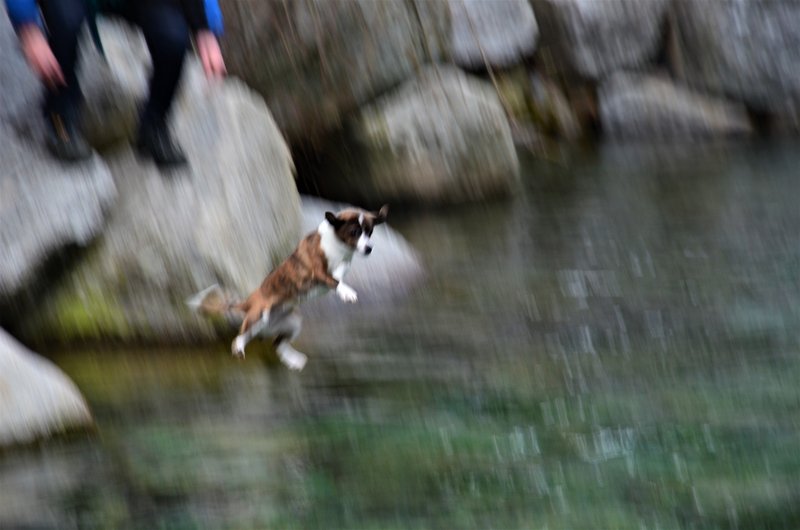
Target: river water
<point>617,347</point>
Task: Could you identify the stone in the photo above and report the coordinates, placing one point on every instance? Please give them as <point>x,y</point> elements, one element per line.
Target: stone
<point>648,107</point>
<point>537,108</point>
<point>492,33</point>
<point>46,207</point>
<point>21,91</point>
<point>226,218</point>
<point>36,398</point>
<point>314,61</point>
<point>746,50</point>
<point>441,138</point>
<point>114,85</point>
<point>591,39</point>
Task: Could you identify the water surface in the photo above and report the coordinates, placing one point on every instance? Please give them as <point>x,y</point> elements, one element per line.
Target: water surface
<point>617,347</point>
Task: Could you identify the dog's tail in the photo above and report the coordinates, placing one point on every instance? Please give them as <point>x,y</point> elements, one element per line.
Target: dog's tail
<point>212,301</point>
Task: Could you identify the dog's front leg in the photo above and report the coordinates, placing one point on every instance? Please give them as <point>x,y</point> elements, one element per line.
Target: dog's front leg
<point>345,292</point>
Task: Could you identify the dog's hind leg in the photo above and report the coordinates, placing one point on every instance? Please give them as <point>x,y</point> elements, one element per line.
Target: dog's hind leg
<point>253,323</point>
<point>289,329</point>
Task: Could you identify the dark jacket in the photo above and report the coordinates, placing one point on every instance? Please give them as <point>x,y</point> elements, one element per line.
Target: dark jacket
<point>200,14</point>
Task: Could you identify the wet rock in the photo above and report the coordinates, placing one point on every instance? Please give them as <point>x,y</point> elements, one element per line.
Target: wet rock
<point>36,398</point>
<point>653,106</point>
<point>538,109</point>
<point>227,218</point>
<point>784,123</point>
<point>745,50</point>
<point>316,60</point>
<point>442,138</point>
<point>487,31</point>
<point>552,109</point>
<point>595,38</point>
<point>46,207</point>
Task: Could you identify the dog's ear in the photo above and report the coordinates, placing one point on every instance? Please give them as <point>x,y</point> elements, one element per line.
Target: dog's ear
<point>333,220</point>
<point>380,217</point>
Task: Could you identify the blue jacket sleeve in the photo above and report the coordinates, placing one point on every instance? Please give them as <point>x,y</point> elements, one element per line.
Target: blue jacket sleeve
<point>22,12</point>
<point>214,16</point>
<point>203,14</point>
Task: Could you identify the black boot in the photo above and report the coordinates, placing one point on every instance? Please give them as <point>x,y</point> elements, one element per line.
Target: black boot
<point>155,141</point>
<point>64,138</point>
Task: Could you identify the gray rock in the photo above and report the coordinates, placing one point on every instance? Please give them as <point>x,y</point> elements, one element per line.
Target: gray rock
<point>498,32</point>
<point>110,85</point>
<point>553,110</point>
<point>746,50</point>
<point>393,268</point>
<point>653,107</point>
<point>442,138</point>
<point>45,207</point>
<point>592,39</point>
<point>115,85</point>
<point>227,218</point>
<point>316,60</point>
<point>20,90</point>
<point>786,122</point>
<point>38,399</point>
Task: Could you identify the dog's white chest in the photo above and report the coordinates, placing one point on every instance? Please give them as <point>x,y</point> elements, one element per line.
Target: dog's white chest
<point>337,253</point>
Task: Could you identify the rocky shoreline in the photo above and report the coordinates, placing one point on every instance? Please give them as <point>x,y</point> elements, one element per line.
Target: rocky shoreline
<point>409,102</point>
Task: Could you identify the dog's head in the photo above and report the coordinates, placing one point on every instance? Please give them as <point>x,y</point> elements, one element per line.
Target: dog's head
<point>354,227</point>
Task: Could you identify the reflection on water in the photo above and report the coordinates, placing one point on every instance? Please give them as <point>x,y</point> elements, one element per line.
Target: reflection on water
<point>616,348</point>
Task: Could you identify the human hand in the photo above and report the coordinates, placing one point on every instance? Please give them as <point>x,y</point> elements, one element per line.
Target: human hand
<point>210,55</point>
<point>39,55</point>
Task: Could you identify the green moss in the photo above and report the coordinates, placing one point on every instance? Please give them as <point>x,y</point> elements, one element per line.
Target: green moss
<point>88,314</point>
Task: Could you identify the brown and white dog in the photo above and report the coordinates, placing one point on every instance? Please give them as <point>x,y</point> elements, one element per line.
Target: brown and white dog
<point>318,264</point>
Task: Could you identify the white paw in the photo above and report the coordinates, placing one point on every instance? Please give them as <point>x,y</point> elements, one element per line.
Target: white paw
<point>237,348</point>
<point>346,293</point>
<point>294,360</point>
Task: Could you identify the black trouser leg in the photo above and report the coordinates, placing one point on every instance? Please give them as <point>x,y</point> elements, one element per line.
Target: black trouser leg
<point>64,19</point>
<point>167,35</point>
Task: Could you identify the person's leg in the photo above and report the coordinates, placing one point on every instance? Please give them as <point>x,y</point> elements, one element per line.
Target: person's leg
<point>167,34</point>
<point>64,19</point>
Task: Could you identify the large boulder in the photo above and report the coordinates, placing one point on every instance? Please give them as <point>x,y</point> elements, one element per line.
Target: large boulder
<point>316,60</point>
<point>491,33</point>
<point>227,218</point>
<point>36,398</point>
<point>745,50</point>
<point>441,138</point>
<point>46,208</point>
<point>591,39</point>
<point>651,107</point>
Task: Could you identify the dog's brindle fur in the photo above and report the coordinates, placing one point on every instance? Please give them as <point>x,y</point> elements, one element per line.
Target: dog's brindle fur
<point>306,270</point>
